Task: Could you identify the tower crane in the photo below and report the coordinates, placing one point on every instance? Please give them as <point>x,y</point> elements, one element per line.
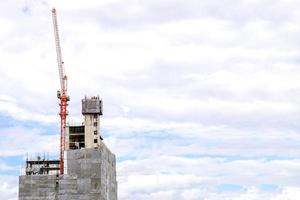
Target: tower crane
<point>62,94</point>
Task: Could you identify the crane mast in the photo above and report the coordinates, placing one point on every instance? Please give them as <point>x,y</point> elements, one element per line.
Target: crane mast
<point>62,94</point>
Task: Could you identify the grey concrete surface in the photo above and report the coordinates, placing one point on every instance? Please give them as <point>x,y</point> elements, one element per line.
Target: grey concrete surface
<point>89,174</point>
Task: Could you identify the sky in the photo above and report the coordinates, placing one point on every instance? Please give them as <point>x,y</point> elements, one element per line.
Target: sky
<point>201,98</point>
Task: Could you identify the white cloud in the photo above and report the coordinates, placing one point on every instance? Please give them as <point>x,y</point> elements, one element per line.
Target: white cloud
<point>19,141</point>
<point>8,187</point>
<point>166,177</point>
<point>197,78</point>
<point>9,106</point>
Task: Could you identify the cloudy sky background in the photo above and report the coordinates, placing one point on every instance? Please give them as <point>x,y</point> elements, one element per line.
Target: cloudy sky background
<point>201,98</point>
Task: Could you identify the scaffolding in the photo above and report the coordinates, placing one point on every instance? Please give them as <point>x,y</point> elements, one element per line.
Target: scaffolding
<point>42,166</point>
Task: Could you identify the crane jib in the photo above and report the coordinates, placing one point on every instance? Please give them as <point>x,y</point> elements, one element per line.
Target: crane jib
<point>58,52</point>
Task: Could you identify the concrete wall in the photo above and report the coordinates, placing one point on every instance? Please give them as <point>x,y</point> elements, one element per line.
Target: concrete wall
<point>90,127</point>
<point>92,110</point>
<point>38,187</point>
<point>90,174</point>
<point>92,105</point>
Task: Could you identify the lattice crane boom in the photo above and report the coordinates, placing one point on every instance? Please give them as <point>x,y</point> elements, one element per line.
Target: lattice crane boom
<point>62,75</point>
<point>62,94</point>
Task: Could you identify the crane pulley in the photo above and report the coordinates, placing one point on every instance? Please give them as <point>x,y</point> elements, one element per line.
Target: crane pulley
<point>62,94</point>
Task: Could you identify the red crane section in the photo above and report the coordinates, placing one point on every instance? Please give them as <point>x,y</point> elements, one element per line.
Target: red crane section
<point>62,94</point>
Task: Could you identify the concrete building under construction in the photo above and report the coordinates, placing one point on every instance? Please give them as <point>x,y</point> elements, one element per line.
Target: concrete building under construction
<point>86,168</point>
<point>89,166</point>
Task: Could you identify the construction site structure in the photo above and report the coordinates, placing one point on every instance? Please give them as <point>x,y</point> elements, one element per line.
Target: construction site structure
<point>41,166</point>
<point>86,168</point>
<point>87,134</point>
<point>89,166</point>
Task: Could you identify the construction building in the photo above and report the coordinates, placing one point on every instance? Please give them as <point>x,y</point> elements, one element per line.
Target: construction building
<point>86,168</point>
<point>89,166</point>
